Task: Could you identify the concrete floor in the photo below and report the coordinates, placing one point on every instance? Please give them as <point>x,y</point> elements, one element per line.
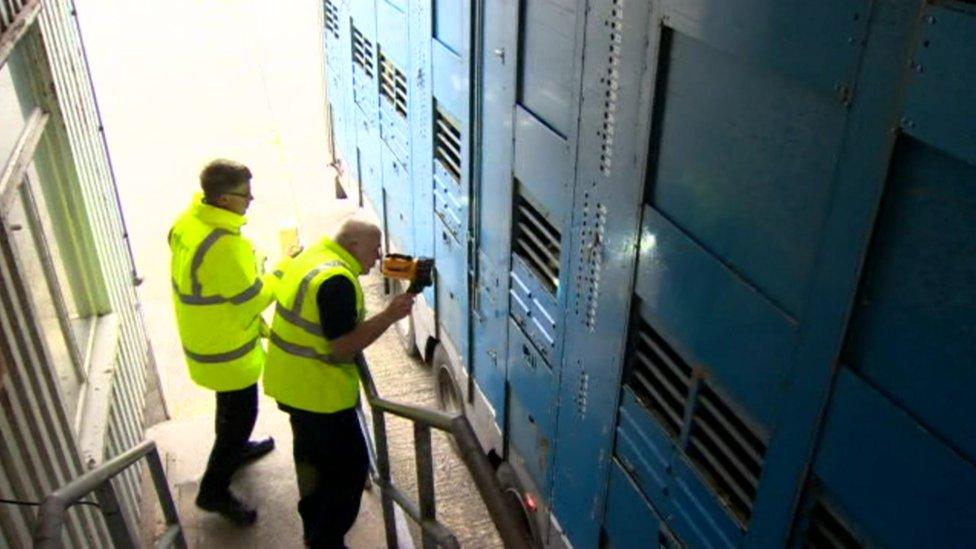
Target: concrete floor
<point>185,81</point>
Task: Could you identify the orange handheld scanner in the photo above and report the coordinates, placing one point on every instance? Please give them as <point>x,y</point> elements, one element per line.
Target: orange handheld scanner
<point>418,270</point>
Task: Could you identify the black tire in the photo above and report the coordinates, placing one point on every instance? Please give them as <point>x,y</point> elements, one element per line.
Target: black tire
<point>514,497</point>
<point>449,395</point>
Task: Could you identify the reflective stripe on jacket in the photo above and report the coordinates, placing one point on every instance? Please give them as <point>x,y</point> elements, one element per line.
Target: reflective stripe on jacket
<point>218,296</point>
<point>300,369</point>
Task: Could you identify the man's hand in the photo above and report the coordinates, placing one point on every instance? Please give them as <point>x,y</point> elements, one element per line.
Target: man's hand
<point>399,307</point>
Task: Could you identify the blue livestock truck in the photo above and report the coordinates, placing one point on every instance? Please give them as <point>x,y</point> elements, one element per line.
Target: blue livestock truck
<point>705,269</point>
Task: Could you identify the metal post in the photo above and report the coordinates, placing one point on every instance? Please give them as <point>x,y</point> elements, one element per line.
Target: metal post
<point>112,512</point>
<point>383,468</point>
<point>382,451</point>
<point>47,531</point>
<point>425,480</point>
<point>165,497</point>
<point>50,520</point>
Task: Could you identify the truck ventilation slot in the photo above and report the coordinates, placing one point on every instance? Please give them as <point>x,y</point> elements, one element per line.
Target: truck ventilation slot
<point>331,19</point>
<point>727,451</point>
<point>537,241</point>
<point>825,529</point>
<point>659,378</point>
<point>393,85</point>
<point>447,142</point>
<point>362,52</point>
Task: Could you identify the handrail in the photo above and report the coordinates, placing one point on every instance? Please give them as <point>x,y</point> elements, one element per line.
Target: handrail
<point>507,522</point>
<point>50,519</point>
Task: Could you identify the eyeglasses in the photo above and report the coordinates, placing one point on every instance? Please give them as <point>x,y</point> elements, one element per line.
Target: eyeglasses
<point>246,196</point>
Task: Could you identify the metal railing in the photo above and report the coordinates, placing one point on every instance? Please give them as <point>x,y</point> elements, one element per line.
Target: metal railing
<point>50,519</point>
<point>507,521</point>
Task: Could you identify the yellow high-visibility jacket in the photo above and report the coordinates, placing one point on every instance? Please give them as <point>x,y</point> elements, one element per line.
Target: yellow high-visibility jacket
<point>219,296</point>
<point>300,371</point>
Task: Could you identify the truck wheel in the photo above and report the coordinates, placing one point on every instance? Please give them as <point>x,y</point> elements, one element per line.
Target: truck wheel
<point>448,393</point>
<point>515,497</point>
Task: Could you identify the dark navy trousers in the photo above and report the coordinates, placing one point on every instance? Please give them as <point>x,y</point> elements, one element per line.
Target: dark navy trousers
<point>331,462</point>
<point>236,413</point>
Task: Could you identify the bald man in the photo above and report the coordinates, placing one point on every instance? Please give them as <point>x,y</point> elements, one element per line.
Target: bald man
<point>318,330</point>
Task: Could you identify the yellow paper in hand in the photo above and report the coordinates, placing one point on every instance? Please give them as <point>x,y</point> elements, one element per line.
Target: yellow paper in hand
<point>288,238</point>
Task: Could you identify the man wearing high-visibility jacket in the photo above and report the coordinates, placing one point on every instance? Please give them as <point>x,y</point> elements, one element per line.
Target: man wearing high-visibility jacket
<point>318,331</point>
<point>219,297</point>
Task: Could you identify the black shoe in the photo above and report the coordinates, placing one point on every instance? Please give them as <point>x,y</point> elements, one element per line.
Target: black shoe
<point>229,507</point>
<point>254,450</point>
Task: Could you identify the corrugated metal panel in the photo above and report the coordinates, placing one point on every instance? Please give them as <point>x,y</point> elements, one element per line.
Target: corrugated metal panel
<point>40,450</point>
<point>77,102</point>
<point>38,453</point>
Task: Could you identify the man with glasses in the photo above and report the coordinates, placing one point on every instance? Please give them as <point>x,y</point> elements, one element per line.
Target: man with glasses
<point>219,296</point>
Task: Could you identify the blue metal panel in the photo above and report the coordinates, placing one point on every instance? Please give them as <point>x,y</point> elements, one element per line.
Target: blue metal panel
<point>898,483</point>
<point>339,120</point>
<point>450,81</point>
<point>744,164</point>
<point>917,300</point>
<point>394,105</point>
<point>817,43</point>
<point>644,450</point>
<point>602,247</point>
<point>420,115</point>
<point>339,84</point>
<point>364,59</point>
<point>398,206</point>
<point>450,204</point>
<point>858,179</point>
<point>392,32</point>
<point>363,13</point>
<point>399,5</point>
<point>345,150</point>
<point>544,166</point>
<point>534,310</point>
<point>451,209</point>
<point>631,520</point>
<point>450,18</point>
<point>532,407</point>
<point>395,130</point>
<point>713,317</point>
<point>940,110</point>
<point>452,287</point>
<point>336,30</point>
<point>548,62</point>
<point>698,517</point>
<point>490,353</point>
<point>495,201</point>
<point>370,163</point>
